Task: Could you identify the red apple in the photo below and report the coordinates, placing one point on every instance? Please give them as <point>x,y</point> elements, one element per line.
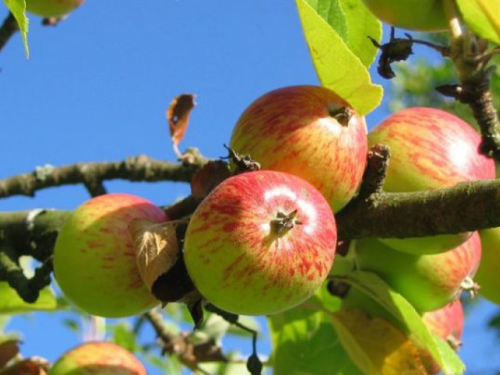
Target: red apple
<point>260,243</point>
<point>94,257</point>
<point>421,15</point>
<point>487,275</point>
<point>100,358</point>
<point>428,282</point>
<point>448,324</point>
<point>430,149</point>
<point>52,8</point>
<point>308,131</point>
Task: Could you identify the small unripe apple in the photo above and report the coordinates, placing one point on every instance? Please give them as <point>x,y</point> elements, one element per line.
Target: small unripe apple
<point>487,275</point>
<point>94,257</point>
<point>99,358</point>
<point>430,149</point>
<point>52,8</point>
<point>260,243</point>
<point>428,282</point>
<point>421,15</point>
<point>308,131</point>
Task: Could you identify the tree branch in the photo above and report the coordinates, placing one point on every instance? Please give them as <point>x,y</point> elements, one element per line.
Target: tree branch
<point>140,168</point>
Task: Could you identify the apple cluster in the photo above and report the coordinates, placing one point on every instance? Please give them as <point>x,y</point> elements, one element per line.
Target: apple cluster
<point>264,241</point>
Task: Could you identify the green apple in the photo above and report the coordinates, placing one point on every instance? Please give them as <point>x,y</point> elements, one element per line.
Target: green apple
<point>421,15</point>
<point>52,8</point>
<point>428,282</point>
<point>99,358</point>
<point>487,275</point>
<point>430,149</point>
<point>94,257</point>
<point>308,131</point>
<point>260,243</point>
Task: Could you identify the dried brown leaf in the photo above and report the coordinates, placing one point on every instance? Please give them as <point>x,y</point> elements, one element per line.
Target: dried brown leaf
<point>28,366</point>
<point>208,177</point>
<point>8,350</point>
<point>178,117</point>
<point>156,248</point>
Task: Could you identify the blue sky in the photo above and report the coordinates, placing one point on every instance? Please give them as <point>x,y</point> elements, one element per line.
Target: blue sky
<point>96,88</point>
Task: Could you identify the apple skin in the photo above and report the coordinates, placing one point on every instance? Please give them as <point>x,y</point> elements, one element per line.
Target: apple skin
<point>291,130</point>
<point>94,258</point>
<point>100,358</point>
<point>238,259</point>
<point>430,149</point>
<point>487,275</point>
<point>420,15</point>
<point>52,8</point>
<point>428,282</point>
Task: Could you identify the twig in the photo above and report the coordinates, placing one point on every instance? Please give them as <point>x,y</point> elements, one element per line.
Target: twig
<point>140,168</point>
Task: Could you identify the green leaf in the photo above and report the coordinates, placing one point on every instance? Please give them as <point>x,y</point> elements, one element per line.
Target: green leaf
<point>403,311</point>
<point>18,9</point>
<point>337,67</point>
<point>361,23</point>
<point>305,343</point>
<point>482,17</point>
<point>123,335</point>
<point>11,303</point>
<point>333,14</point>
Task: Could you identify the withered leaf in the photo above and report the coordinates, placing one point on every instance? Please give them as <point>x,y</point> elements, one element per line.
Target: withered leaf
<point>156,248</point>
<point>28,366</point>
<point>8,350</point>
<point>208,177</point>
<point>178,117</point>
<point>377,346</point>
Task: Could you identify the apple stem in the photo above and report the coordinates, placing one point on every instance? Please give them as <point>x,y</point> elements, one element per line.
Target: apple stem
<point>284,222</point>
<point>342,114</point>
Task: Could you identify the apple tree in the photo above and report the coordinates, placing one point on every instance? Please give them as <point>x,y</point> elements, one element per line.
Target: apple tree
<point>355,244</point>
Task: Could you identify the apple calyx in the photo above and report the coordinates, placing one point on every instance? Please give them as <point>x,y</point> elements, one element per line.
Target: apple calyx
<point>470,286</point>
<point>342,114</point>
<point>284,222</point>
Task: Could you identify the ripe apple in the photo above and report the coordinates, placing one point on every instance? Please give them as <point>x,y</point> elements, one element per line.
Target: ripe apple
<point>308,131</point>
<point>487,274</point>
<point>421,15</point>
<point>94,257</point>
<point>430,149</point>
<point>428,282</point>
<point>260,243</point>
<point>99,357</point>
<point>52,8</point>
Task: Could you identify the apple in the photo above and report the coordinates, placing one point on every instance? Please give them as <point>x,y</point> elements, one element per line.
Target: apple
<point>94,258</point>
<point>99,357</point>
<point>260,243</point>
<point>52,8</point>
<point>428,282</point>
<point>421,15</point>
<point>487,274</point>
<point>308,131</point>
<point>430,149</point>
